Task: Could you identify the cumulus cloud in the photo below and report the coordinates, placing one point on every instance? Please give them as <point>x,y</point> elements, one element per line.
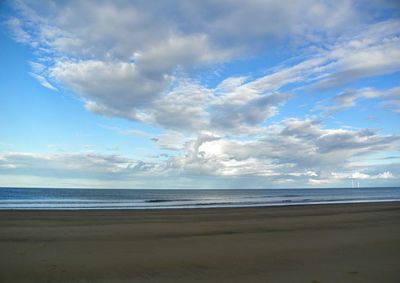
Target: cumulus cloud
<point>293,147</point>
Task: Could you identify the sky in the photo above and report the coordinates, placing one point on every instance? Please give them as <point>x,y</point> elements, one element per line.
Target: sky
<point>199,94</point>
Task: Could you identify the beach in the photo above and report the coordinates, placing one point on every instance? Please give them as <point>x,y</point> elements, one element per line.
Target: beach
<point>311,243</point>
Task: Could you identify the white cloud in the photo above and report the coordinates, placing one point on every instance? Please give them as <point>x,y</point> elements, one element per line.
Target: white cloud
<point>43,81</point>
<point>240,106</point>
<point>347,178</point>
<point>296,148</point>
<point>359,175</point>
<point>365,176</point>
<point>349,98</point>
<point>77,165</point>
<point>319,182</point>
<point>375,51</point>
<point>18,33</point>
<point>230,26</point>
<point>385,175</point>
<point>122,62</point>
<point>184,108</point>
<point>368,56</point>
<point>308,174</point>
<point>109,85</point>
<point>170,140</point>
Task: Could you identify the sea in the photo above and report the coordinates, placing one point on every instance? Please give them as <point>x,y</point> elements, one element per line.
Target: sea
<point>84,199</point>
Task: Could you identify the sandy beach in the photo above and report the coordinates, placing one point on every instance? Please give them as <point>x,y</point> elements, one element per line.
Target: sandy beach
<point>319,243</point>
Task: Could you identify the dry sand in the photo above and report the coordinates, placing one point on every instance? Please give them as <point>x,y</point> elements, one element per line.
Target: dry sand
<point>320,243</point>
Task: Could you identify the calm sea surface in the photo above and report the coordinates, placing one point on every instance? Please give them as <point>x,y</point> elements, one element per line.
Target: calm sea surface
<point>37,198</point>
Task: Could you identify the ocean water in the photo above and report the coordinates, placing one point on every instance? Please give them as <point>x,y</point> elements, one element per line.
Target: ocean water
<point>38,198</point>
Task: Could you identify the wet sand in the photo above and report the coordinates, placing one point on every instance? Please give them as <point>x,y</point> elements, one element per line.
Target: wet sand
<point>319,243</point>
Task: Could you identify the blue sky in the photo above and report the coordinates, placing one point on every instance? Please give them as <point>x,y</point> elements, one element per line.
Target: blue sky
<point>199,94</point>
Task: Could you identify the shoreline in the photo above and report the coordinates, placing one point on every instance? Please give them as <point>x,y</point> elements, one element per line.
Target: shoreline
<point>307,243</point>
<point>200,207</point>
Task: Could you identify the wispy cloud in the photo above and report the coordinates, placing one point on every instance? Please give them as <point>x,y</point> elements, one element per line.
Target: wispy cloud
<point>43,81</point>
<point>74,165</point>
<point>389,98</point>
